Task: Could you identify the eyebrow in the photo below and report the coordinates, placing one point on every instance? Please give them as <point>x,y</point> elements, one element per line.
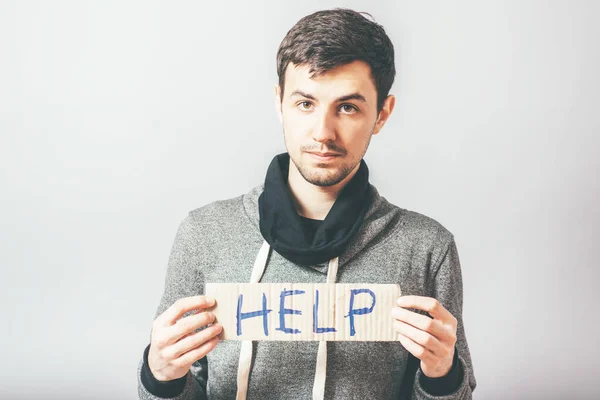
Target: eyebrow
<point>352,96</point>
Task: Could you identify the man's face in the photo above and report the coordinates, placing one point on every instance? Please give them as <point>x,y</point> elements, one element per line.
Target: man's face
<point>328,121</point>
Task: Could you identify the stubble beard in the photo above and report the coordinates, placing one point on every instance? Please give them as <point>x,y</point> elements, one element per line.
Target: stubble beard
<point>320,175</point>
<point>324,174</point>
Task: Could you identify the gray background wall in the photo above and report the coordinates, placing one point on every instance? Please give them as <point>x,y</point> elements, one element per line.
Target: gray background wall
<point>117,118</point>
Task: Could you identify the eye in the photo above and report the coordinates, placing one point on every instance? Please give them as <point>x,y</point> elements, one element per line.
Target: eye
<point>349,108</point>
<point>305,105</point>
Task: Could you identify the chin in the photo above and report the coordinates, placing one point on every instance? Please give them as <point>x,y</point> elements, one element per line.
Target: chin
<point>323,174</point>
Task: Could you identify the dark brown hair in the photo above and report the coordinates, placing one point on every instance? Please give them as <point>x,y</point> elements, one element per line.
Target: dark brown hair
<point>330,38</point>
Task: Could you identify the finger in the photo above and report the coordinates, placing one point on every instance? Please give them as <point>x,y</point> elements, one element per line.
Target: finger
<point>419,321</point>
<point>429,304</point>
<point>189,324</point>
<point>197,353</point>
<point>415,349</point>
<point>183,305</point>
<point>196,340</point>
<point>420,337</point>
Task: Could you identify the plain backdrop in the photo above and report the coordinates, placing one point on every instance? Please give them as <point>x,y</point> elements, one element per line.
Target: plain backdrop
<point>119,117</point>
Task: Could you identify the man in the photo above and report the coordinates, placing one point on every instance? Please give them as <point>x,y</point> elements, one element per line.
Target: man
<point>316,211</point>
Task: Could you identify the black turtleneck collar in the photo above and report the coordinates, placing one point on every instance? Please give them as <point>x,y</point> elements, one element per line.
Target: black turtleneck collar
<point>290,235</point>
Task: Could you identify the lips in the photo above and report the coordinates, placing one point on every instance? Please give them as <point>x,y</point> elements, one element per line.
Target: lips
<point>323,156</point>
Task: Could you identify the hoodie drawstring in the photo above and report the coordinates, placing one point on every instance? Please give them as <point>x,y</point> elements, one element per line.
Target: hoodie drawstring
<point>245,361</point>
<point>321,369</point>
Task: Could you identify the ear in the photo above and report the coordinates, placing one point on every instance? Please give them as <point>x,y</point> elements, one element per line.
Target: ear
<point>278,102</point>
<point>384,114</point>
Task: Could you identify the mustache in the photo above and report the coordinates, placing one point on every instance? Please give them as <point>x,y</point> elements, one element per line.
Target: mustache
<point>333,148</point>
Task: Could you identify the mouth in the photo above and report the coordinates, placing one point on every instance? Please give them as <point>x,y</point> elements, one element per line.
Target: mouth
<point>323,156</point>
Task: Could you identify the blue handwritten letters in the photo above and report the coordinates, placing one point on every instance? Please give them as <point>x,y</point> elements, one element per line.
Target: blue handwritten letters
<point>241,316</point>
<point>285,326</point>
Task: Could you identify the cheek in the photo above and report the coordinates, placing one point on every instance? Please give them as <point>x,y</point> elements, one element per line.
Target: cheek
<point>291,136</point>
<point>296,128</point>
<point>356,126</point>
<point>355,133</point>
<point>294,118</point>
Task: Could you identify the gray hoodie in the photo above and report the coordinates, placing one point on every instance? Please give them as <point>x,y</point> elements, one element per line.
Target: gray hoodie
<point>219,243</point>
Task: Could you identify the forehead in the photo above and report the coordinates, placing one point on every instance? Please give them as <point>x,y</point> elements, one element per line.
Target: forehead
<point>348,78</point>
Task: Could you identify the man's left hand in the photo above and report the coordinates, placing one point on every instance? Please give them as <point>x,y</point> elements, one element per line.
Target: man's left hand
<point>431,340</point>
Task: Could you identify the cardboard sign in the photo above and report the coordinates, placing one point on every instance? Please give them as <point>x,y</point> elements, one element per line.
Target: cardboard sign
<point>305,311</point>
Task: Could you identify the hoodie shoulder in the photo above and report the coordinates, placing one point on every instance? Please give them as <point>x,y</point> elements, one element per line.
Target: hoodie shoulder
<point>426,233</point>
<point>225,217</point>
<point>420,224</point>
<point>418,227</point>
<point>217,212</point>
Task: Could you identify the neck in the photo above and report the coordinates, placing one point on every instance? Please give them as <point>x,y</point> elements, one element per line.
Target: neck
<point>312,201</point>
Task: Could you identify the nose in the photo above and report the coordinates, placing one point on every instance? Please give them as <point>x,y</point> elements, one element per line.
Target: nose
<point>324,130</point>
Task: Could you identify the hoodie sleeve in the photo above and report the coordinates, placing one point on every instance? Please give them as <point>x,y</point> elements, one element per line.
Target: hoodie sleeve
<point>448,289</point>
<point>182,280</point>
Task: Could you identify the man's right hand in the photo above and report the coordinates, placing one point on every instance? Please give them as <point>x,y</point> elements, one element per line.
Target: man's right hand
<point>174,346</point>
